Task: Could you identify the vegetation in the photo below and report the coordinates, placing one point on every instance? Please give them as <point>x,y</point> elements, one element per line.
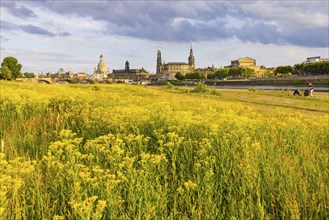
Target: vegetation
<point>195,75</point>
<point>10,68</point>
<point>5,73</point>
<point>130,152</point>
<point>200,87</point>
<point>283,70</point>
<point>28,75</point>
<point>240,72</point>
<point>319,68</point>
<point>179,76</point>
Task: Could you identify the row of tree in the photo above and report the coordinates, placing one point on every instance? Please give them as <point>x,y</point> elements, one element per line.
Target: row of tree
<point>318,68</point>
<point>241,72</point>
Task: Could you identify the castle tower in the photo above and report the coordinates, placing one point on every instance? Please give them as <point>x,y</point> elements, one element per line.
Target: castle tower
<point>159,62</point>
<point>191,62</point>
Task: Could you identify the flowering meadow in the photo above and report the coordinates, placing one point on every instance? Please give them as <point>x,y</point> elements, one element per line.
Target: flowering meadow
<point>135,152</point>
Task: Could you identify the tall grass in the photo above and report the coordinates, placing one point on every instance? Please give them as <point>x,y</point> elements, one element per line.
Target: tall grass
<point>129,152</point>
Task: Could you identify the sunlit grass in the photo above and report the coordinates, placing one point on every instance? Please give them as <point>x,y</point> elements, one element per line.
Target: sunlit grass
<point>135,152</point>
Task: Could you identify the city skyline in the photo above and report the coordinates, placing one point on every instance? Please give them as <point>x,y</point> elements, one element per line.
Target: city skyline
<point>48,35</point>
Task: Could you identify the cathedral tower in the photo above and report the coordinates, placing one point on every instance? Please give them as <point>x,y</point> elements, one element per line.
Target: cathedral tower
<point>159,62</point>
<point>191,59</point>
<point>127,68</point>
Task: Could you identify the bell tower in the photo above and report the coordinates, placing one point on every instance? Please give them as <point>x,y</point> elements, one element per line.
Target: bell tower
<point>191,59</point>
<point>159,62</point>
<point>127,68</point>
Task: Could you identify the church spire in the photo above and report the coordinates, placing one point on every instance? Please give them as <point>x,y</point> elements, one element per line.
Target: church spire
<point>159,62</point>
<point>191,59</point>
<point>127,67</point>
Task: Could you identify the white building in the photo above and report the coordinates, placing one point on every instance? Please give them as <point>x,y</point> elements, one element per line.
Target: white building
<point>316,59</point>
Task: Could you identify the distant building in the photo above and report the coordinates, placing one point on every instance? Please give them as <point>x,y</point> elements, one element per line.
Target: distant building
<point>243,62</point>
<point>130,74</point>
<point>172,68</point>
<point>316,59</point>
<point>101,71</point>
<point>207,70</point>
<point>79,77</point>
<point>250,63</point>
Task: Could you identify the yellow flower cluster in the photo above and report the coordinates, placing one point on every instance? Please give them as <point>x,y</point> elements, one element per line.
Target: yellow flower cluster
<point>130,152</point>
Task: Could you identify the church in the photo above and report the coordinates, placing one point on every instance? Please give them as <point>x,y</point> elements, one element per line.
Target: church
<point>101,71</point>
<point>172,68</point>
<point>130,74</point>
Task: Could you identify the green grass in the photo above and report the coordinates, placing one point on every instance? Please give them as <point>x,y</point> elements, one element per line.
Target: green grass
<point>130,152</point>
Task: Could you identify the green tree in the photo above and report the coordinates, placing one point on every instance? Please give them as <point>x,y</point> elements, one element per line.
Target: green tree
<point>28,75</point>
<point>211,75</point>
<point>283,70</point>
<point>298,69</point>
<point>247,72</point>
<point>235,72</point>
<point>13,65</point>
<point>222,73</point>
<point>179,76</point>
<point>5,73</point>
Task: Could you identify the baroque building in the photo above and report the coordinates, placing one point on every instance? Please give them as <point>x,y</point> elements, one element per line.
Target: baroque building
<point>101,71</point>
<point>130,74</point>
<point>243,62</point>
<point>172,68</point>
<point>250,63</point>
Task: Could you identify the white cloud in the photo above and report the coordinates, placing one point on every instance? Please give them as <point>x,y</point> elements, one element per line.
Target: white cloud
<point>272,32</point>
<point>306,13</point>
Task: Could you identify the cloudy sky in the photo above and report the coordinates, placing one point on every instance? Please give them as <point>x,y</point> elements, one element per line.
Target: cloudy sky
<point>45,35</point>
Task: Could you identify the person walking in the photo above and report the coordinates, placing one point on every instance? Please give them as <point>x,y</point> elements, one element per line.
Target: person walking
<point>311,88</point>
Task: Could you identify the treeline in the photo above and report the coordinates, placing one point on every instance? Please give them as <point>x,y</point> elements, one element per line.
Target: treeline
<point>241,72</point>
<point>319,68</point>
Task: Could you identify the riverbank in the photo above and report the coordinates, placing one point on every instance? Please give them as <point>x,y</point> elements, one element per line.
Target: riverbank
<point>291,82</point>
<point>275,87</point>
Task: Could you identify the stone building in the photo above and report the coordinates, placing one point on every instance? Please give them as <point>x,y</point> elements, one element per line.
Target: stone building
<point>250,63</point>
<point>129,74</point>
<point>101,71</point>
<point>243,62</point>
<point>172,68</point>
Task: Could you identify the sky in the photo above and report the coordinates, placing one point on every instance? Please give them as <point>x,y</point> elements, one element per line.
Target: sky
<point>45,35</point>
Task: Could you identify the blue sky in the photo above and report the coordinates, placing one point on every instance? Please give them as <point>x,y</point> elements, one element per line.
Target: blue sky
<point>46,35</point>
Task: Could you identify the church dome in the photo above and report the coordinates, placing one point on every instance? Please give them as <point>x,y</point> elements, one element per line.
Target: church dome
<point>101,67</point>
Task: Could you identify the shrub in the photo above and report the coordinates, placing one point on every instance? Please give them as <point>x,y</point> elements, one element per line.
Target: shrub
<point>200,87</point>
<point>169,85</point>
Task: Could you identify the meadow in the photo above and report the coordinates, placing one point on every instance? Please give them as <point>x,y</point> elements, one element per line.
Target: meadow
<point>135,152</point>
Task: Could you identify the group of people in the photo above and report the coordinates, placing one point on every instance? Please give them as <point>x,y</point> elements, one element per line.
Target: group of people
<point>308,92</point>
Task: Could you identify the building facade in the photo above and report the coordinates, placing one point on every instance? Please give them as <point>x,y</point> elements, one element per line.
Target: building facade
<point>172,68</point>
<point>243,62</point>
